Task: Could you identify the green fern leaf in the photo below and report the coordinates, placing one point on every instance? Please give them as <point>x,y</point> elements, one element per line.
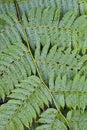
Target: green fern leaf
<point>50,121</point>
<point>60,68</point>
<point>10,61</point>
<point>60,60</point>
<point>24,104</point>
<point>49,28</point>
<point>25,5</point>
<point>71,93</point>
<point>65,32</point>
<point>77,120</point>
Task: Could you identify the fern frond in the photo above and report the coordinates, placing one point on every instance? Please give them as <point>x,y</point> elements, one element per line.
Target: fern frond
<point>11,31</point>
<point>10,20</point>
<point>24,104</point>
<point>50,120</point>
<point>7,7</point>
<point>38,29</point>
<point>72,93</point>
<point>15,65</point>
<point>49,28</point>
<point>66,68</point>
<point>77,120</point>
<point>79,6</point>
<point>60,60</point>
<point>64,5</point>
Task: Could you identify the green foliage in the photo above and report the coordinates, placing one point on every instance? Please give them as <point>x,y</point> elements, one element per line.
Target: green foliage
<point>51,120</point>
<point>63,5</point>
<point>43,65</point>
<point>10,61</point>
<point>24,104</point>
<point>77,120</point>
<point>66,73</point>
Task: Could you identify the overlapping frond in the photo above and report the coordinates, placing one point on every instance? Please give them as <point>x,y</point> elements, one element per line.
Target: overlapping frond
<point>77,120</point>
<point>66,72</point>
<point>64,5</point>
<point>72,93</point>
<point>47,29</point>
<point>50,28</point>
<point>50,120</point>
<point>61,60</point>
<point>7,7</point>
<point>15,65</point>
<point>11,30</point>
<point>24,104</point>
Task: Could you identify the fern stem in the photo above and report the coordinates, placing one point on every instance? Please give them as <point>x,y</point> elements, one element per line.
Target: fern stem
<point>17,10</point>
<point>35,63</point>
